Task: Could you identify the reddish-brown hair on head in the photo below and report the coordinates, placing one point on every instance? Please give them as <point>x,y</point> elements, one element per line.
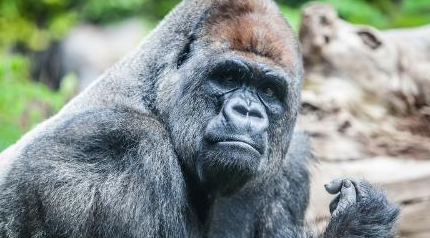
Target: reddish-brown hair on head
<point>252,26</point>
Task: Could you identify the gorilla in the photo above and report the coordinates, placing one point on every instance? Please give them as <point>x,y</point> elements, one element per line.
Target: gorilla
<point>192,135</point>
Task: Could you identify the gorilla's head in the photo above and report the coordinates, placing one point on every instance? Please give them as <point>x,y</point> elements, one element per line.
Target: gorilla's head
<point>231,102</point>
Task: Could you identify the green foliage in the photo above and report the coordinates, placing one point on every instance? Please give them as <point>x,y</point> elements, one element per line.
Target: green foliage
<point>34,23</point>
<point>359,11</point>
<point>292,15</point>
<point>384,14</point>
<point>24,103</point>
<point>111,10</point>
<point>413,13</point>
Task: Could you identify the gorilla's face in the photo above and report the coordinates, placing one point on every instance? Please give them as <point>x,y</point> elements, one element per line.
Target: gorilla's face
<point>227,114</point>
<point>235,140</point>
<point>231,102</point>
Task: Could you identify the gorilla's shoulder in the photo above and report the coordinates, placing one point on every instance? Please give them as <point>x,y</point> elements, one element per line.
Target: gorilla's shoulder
<point>104,121</point>
<point>297,162</point>
<point>293,175</point>
<point>290,186</point>
<point>300,151</point>
<point>97,133</point>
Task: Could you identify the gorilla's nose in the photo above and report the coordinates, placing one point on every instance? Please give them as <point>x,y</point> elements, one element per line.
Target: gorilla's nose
<point>246,115</point>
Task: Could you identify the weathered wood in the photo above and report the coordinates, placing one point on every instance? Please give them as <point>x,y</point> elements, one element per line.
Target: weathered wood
<point>415,218</point>
<point>391,65</point>
<point>409,190</point>
<point>358,81</point>
<point>416,235</point>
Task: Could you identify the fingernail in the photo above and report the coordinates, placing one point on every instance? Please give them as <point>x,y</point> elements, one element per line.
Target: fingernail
<point>347,184</point>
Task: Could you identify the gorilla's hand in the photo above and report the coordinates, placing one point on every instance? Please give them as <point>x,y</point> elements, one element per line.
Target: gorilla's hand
<point>358,207</point>
<point>347,196</point>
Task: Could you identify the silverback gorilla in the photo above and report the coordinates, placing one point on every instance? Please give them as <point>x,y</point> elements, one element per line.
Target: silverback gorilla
<point>191,136</point>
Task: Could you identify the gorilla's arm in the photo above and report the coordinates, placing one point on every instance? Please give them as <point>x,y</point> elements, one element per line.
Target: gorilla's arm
<point>359,210</point>
<point>118,177</point>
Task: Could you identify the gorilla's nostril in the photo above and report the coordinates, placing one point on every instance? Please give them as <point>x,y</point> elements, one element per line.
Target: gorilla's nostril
<point>255,113</point>
<point>241,109</point>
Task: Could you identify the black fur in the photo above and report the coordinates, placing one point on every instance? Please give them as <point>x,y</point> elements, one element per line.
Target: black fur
<point>128,157</point>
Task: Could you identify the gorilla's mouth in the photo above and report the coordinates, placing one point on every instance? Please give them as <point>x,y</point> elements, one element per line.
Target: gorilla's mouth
<point>240,144</point>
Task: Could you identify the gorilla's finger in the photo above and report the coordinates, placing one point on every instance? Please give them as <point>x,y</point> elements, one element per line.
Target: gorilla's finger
<point>348,197</point>
<point>333,204</point>
<point>334,186</point>
<point>348,191</point>
<point>362,187</point>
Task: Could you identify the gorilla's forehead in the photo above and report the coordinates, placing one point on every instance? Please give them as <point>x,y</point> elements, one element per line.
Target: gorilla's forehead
<point>253,27</point>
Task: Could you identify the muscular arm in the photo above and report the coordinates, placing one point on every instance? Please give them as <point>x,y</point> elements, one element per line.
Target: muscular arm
<point>99,174</point>
<point>358,210</point>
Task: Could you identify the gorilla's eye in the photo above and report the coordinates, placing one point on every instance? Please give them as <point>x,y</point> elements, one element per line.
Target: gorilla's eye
<point>225,80</point>
<point>228,74</point>
<point>229,78</point>
<point>269,91</point>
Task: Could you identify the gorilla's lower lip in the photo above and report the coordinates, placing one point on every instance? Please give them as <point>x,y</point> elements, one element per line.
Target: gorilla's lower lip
<point>239,144</point>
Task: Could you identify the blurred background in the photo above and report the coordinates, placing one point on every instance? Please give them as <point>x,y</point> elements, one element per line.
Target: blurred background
<point>366,97</point>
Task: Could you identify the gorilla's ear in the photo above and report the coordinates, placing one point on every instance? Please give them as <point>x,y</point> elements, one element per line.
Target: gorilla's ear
<point>370,37</point>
